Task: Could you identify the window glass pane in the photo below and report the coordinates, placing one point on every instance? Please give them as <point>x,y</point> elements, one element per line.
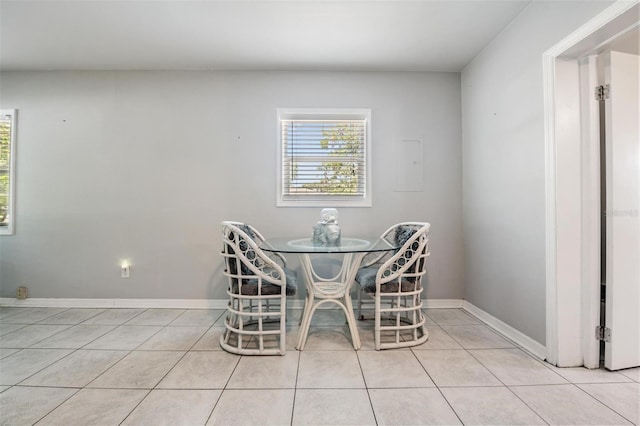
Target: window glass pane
<point>7,161</point>
<point>324,157</point>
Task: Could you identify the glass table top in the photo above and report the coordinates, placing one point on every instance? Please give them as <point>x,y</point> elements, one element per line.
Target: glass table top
<point>346,245</point>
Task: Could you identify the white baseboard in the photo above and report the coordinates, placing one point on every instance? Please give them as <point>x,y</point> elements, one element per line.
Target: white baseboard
<point>442,303</point>
<point>171,303</point>
<point>116,303</point>
<point>533,347</point>
<point>516,336</point>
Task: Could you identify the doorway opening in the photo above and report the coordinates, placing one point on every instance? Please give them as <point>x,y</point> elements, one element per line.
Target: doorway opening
<point>579,249</point>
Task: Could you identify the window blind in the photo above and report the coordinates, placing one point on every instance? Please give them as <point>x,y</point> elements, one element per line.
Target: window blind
<point>324,158</point>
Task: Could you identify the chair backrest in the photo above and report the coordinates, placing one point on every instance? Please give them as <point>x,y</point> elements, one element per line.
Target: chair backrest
<point>244,260</point>
<point>409,261</point>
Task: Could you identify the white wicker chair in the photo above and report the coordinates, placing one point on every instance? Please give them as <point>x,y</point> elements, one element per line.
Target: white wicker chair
<point>258,285</point>
<point>394,282</point>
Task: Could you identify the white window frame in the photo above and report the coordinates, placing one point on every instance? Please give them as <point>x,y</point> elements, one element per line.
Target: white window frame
<point>324,200</point>
<point>9,229</point>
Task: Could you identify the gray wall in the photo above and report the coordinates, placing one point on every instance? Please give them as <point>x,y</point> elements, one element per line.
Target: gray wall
<point>504,165</point>
<point>145,165</point>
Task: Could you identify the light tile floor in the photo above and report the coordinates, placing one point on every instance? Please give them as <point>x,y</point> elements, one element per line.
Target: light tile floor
<point>164,366</point>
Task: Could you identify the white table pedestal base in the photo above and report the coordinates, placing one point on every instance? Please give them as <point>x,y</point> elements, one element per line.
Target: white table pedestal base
<point>335,290</point>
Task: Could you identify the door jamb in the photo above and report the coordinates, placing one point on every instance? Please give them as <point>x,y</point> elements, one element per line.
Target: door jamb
<point>570,242</point>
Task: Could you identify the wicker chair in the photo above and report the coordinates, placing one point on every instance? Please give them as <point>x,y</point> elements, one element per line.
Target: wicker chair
<point>394,281</point>
<point>258,285</point>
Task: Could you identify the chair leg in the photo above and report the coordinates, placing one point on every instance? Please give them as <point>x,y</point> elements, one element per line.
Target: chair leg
<point>377,321</point>
<point>249,329</point>
<point>406,321</point>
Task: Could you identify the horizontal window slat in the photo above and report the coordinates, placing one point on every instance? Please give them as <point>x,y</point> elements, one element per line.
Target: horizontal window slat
<point>317,195</point>
<point>324,162</point>
<point>301,122</point>
<point>300,183</point>
<point>323,132</point>
<point>316,176</point>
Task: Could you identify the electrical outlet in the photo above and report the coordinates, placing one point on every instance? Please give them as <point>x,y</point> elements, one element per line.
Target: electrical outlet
<point>125,271</point>
<point>21,293</point>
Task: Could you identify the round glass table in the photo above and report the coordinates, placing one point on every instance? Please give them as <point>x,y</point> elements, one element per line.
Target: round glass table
<point>324,290</point>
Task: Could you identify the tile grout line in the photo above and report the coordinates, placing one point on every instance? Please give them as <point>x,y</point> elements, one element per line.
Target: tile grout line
<point>601,402</point>
<point>224,388</point>
<point>436,385</point>
<point>366,387</point>
<point>490,372</point>
<point>300,354</point>
<point>508,387</point>
<point>295,389</point>
<point>155,387</point>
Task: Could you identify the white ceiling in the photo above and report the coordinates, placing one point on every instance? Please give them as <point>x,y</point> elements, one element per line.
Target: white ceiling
<point>385,35</point>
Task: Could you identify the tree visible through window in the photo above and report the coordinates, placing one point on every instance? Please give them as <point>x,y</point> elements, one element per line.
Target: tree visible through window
<point>7,161</point>
<point>324,158</point>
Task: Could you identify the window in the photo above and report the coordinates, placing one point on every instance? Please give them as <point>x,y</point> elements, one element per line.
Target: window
<point>7,170</point>
<point>324,157</point>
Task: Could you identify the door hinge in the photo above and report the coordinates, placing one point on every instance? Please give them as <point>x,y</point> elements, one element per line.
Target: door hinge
<point>603,333</point>
<point>602,92</point>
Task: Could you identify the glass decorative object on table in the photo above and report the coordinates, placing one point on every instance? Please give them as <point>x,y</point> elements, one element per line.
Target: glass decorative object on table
<point>327,231</point>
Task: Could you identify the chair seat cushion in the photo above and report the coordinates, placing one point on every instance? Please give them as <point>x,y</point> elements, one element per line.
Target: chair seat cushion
<point>366,278</point>
<point>250,287</point>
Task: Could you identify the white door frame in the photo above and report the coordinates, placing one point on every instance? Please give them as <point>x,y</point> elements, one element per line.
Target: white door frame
<point>572,193</point>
